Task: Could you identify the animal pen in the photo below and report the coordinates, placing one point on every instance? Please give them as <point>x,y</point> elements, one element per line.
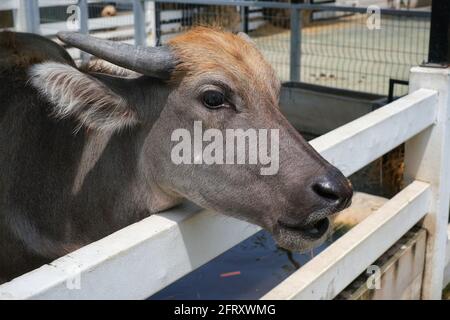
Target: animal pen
<point>363,72</point>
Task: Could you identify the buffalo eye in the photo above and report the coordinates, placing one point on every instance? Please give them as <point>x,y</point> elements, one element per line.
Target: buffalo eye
<point>213,99</point>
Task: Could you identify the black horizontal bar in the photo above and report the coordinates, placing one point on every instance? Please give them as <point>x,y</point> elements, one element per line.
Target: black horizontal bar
<point>301,6</point>
<point>240,3</point>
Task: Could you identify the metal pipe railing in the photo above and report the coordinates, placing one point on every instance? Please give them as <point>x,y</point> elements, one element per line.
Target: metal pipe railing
<point>295,45</point>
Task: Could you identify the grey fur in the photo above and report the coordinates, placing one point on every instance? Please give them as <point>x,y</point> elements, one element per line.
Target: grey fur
<point>62,188</point>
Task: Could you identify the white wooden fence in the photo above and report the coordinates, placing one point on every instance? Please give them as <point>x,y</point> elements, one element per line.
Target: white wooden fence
<point>143,258</point>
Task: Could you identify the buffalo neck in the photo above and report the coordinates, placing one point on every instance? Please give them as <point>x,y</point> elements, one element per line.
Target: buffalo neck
<point>71,186</point>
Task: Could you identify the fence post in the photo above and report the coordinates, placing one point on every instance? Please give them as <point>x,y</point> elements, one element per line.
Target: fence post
<point>150,12</point>
<point>140,37</point>
<point>296,40</point>
<point>244,10</point>
<point>84,27</point>
<point>28,16</point>
<point>158,31</point>
<point>439,48</point>
<point>427,158</point>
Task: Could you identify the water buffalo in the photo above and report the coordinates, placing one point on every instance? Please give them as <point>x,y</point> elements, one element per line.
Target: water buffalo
<point>84,153</point>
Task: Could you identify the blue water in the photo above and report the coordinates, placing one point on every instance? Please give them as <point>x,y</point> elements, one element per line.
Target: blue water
<point>262,265</point>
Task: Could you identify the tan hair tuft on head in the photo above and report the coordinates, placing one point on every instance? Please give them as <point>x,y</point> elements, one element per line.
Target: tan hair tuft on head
<point>205,49</point>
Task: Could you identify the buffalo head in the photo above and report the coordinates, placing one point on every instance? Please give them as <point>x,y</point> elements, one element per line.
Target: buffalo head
<point>193,95</point>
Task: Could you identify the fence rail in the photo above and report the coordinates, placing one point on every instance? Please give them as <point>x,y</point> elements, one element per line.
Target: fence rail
<point>333,270</point>
<point>136,261</point>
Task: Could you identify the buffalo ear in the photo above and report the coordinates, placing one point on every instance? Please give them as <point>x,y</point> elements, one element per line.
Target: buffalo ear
<point>83,97</point>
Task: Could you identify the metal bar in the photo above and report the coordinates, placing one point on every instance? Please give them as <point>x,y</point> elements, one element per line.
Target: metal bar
<point>392,83</point>
<point>239,3</point>
<point>84,27</point>
<point>20,20</point>
<point>84,16</point>
<point>439,51</point>
<point>29,17</point>
<point>151,14</point>
<point>244,18</point>
<point>140,37</point>
<point>157,23</point>
<point>296,40</point>
<point>284,5</point>
<point>35,17</point>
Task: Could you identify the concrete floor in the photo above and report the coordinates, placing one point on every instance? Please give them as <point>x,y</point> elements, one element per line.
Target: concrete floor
<point>344,53</point>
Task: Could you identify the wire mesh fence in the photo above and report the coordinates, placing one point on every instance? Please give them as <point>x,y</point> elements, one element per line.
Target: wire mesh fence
<point>114,21</point>
<point>344,53</point>
<point>337,49</point>
<point>323,45</point>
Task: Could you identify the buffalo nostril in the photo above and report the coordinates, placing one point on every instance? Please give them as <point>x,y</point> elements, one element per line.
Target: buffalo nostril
<point>335,189</point>
<point>326,191</point>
